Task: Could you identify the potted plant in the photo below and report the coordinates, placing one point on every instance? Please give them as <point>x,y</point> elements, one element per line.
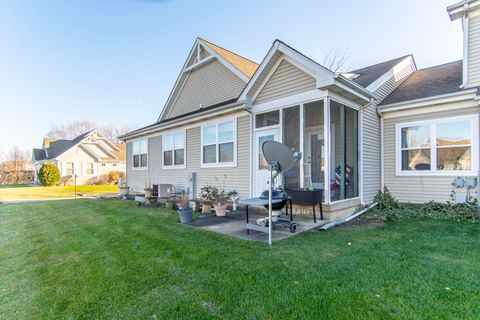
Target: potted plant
<point>208,197</point>
<point>184,210</point>
<point>220,203</point>
<point>169,204</point>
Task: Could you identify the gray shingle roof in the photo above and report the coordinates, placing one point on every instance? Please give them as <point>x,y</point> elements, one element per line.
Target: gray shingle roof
<point>58,147</point>
<point>39,154</point>
<point>429,82</point>
<point>369,74</point>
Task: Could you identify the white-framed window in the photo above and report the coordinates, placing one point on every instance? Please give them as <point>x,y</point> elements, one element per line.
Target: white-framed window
<point>70,168</point>
<point>446,146</point>
<point>140,154</point>
<point>219,144</point>
<point>174,150</point>
<point>88,168</point>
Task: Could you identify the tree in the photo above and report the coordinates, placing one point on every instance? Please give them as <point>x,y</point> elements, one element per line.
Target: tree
<point>14,168</point>
<point>76,128</point>
<point>336,58</point>
<point>49,174</point>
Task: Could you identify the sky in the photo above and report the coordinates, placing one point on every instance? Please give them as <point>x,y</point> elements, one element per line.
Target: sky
<point>114,62</point>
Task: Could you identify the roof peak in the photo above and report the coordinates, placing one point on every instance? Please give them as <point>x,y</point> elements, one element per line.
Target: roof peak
<point>245,65</point>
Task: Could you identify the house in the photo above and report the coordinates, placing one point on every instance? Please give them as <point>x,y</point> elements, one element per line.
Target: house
<point>388,124</point>
<point>89,156</point>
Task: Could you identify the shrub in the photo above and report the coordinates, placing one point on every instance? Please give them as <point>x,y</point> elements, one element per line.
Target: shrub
<point>49,174</point>
<point>385,200</point>
<point>113,177</point>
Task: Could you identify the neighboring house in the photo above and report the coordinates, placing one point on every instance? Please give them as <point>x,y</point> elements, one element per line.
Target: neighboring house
<point>88,156</point>
<point>388,124</point>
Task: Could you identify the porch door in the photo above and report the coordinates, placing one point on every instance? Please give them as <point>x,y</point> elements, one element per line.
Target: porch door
<point>261,174</point>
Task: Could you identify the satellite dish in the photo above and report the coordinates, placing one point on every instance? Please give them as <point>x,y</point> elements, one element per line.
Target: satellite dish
<point>280,155</point>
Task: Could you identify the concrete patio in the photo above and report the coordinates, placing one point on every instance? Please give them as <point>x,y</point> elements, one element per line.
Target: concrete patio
<point>234,224</point>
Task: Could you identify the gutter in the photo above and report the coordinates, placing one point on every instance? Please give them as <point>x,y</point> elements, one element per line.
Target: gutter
<point>353,216</point>
<point>235,106</point>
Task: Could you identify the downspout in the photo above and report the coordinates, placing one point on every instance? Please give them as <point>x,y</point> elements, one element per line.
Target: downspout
<point>382,156</point>
<point>353,216</point>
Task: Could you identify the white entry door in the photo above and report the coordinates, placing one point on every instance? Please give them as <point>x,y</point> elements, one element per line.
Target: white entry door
<point>260,171</point>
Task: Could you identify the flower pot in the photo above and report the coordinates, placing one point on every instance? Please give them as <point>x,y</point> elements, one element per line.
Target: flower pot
<point>207,208</point>
<point>124,191</point>
<point>185,215</point>
<point>221,210</point>
<point>169,204</point>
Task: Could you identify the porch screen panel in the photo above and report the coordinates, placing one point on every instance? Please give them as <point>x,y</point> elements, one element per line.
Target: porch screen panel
<point>291,138</point>
<point>344,144</point>
<point>314,145</point>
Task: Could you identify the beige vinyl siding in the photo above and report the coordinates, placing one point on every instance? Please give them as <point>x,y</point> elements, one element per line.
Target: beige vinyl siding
<point>417,189</point>
<point>238,178</point>
<point>206,85</point>
<point>204,54</point>
<point>474,52</point>
<point>285,81</point>
<point>371,135</point>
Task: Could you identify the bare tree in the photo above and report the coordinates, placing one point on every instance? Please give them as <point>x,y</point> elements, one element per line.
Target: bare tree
<point>71,130</point>
<point>14,169</point>
<point>74,129</point>
<point>336,58</point>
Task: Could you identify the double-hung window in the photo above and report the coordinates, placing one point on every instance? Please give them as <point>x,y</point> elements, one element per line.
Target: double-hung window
<point>70,168</point>
<point>140,154</point>
<point>88,168</point>
<point>445,145</point>
<point>218,143</point>
<point>174,150</point>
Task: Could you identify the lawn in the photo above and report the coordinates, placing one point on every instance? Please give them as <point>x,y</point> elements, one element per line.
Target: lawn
<point>109,259</point>
<point>25,192</point>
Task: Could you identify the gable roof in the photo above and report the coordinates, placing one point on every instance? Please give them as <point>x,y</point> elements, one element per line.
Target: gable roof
<point>246,66</point>
<point>241,67</point>
<point>58,147</point>
<point>367,75</point>
<point>428,82</point>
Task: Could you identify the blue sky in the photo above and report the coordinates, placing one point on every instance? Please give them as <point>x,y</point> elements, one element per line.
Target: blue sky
<point>115,61</point>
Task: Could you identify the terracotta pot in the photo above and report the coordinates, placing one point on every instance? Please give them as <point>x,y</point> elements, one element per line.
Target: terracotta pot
<point>207,208</point>
<point>148,193</point>
<point>221,210</point>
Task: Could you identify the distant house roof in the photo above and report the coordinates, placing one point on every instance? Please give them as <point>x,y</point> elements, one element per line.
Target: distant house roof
<point>429,82</point>
<point>58,147</point>
<point>246,66</point>
<point>367,75</point>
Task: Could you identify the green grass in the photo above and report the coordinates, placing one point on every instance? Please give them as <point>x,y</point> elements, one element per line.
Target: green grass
<point>16,185</point>
<point>109,259</point>
<point>28,193</point>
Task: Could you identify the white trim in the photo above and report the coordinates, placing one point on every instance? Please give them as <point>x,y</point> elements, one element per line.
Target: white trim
<point>140,160</point>
<point>199,63</point>
<point>302,138</point>
<point>227,64</point>
<point>303,97</point>
<point>250,156</point>
<point>382,155</point>
<point>187,121</point>
<point>172,134</point>
<point>473,118</point>
<point>267,78</point>
<point>218,164</point>
<point>429,101</point>
<point>327,137</point>
<point>462,105</point>
<point>466,36</point>
<point>360,153</point>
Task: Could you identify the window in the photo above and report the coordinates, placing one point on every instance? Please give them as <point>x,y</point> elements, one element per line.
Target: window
<point>103,164</point>
<point>174,150</point>
<point>88,168</point>
<point>70,168</point>
<point>436,146</point>
<point>267,119</point>
<point>218,143</point>
<point>140,154</point>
